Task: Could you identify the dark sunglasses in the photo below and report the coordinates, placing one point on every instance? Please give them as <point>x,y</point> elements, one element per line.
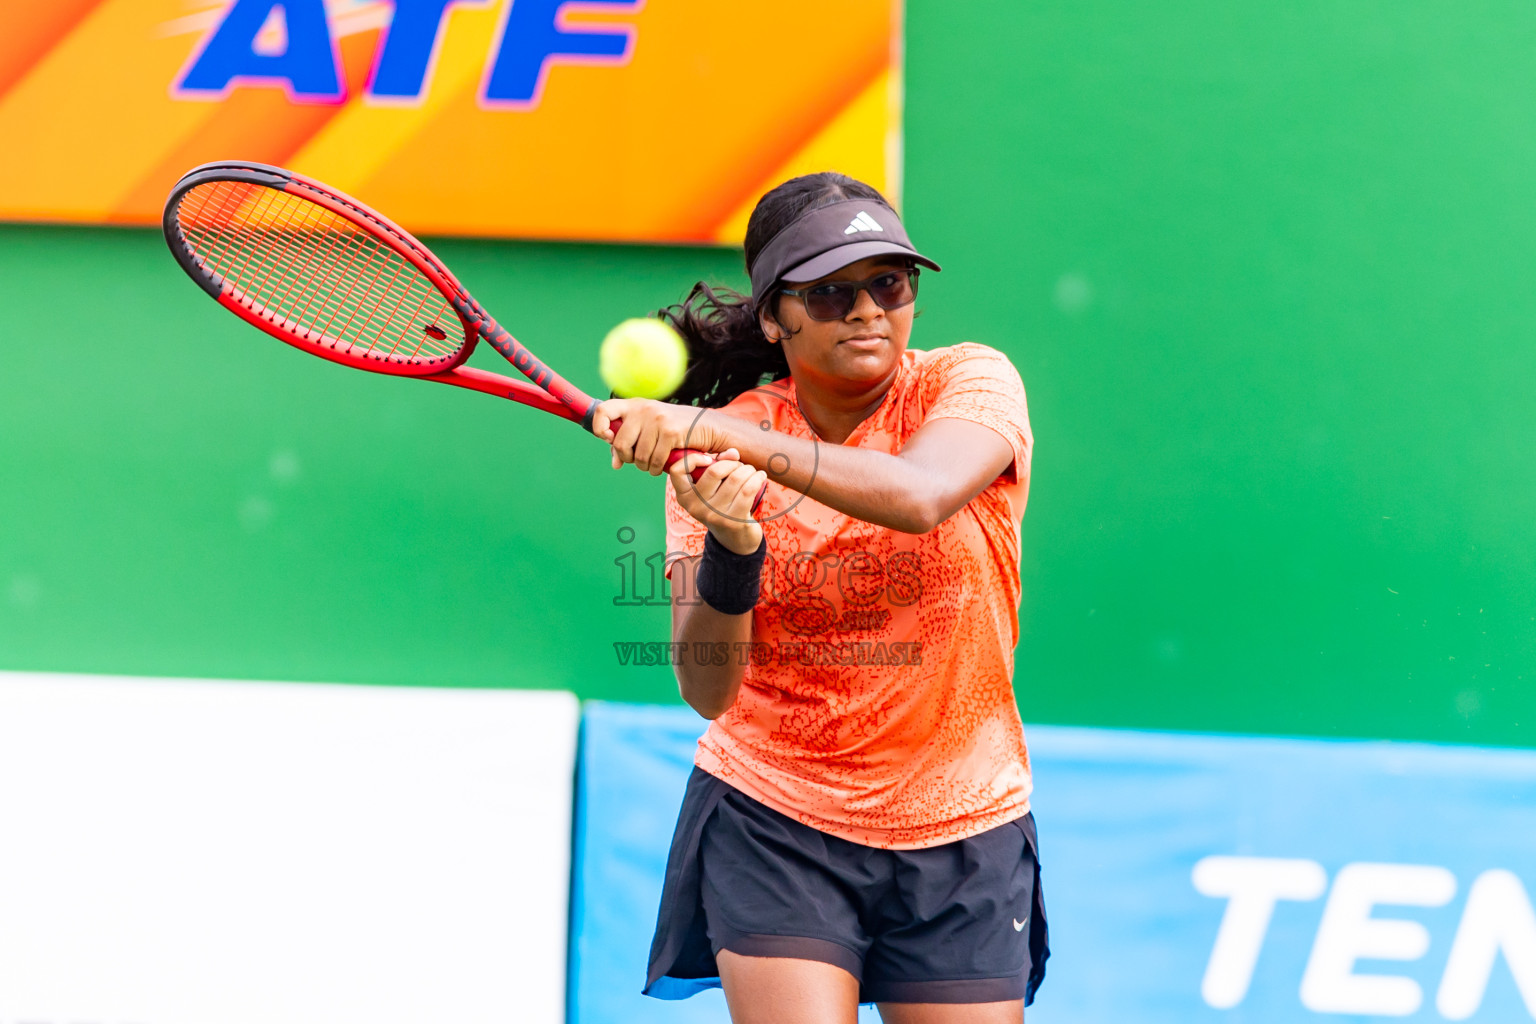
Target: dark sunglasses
<point>891,289</point>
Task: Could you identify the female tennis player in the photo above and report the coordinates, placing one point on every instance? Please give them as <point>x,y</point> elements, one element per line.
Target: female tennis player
<point>857,826</point>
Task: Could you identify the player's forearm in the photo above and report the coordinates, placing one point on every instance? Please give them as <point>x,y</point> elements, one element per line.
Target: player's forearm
<point>704,633</point>
<point>878,488</point>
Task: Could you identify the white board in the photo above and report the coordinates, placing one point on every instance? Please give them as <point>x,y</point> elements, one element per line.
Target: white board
<point>211,852</point>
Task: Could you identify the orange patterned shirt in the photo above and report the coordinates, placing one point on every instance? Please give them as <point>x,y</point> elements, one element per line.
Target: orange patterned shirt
<point>878,703</point>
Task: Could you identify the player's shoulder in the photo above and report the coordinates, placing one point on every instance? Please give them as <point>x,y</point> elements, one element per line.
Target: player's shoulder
<point>935,365</point>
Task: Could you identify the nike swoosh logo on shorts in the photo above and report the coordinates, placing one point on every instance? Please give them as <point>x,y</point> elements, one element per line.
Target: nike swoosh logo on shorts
<point>1018,925</point>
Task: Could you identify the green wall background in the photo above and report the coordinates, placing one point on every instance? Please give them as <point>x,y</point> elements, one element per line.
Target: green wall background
<point>1266,273</point>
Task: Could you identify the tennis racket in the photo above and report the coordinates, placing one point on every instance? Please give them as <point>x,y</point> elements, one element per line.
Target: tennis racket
<point>321,271</point>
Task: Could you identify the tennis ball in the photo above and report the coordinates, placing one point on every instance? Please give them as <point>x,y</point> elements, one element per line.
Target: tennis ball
<point>643,358</point>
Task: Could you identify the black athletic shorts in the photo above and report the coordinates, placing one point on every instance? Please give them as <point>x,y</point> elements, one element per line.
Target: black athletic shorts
<point>959,923</point>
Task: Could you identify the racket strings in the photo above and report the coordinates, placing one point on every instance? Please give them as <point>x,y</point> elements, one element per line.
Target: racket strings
<point>262,272</point>
<point>330,282</point>
<point>364,283</point>
<point>344,278</point>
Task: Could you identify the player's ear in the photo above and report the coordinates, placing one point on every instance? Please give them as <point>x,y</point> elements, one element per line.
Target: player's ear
<point>771,329</point>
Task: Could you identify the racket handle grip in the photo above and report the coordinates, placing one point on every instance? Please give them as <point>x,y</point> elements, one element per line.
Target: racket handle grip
<point>678,453</point>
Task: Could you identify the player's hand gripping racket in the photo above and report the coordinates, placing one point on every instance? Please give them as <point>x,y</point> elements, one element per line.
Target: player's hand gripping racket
<point>326,274</point>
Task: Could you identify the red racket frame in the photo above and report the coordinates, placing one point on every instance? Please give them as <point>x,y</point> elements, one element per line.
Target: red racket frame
<point>549,391</point>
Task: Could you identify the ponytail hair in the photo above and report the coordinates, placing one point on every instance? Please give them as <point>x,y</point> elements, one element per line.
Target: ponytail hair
<point>727,351</point>
<point>728,354</point>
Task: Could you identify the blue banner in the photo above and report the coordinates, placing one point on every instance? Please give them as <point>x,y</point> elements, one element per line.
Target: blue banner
<point>632,767</point>
<point>1187,878</point>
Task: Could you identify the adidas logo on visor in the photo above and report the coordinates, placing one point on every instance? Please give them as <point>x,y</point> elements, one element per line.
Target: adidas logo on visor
<point>863,222</point>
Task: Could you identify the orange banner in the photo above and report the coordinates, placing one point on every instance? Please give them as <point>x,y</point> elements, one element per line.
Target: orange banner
<point>627,120</point>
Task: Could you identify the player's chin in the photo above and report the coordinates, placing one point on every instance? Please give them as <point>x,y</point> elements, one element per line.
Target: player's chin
<point>864,361</point>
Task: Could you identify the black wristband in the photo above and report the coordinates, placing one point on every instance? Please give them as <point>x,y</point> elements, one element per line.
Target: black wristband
<point>730,583</point>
